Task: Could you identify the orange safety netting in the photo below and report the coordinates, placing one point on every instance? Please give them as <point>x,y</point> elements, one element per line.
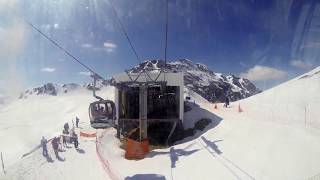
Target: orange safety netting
<point>83,134</point>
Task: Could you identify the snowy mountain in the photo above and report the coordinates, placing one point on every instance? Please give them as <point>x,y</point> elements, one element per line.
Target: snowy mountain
<point>199,78</point>
<point>55,89</point>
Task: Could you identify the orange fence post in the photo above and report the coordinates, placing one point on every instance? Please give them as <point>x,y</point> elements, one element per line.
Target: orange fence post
<point>239,109</point>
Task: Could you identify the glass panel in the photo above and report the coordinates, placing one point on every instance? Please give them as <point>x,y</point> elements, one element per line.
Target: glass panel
<point>163,103</point>
<point>129,104</point>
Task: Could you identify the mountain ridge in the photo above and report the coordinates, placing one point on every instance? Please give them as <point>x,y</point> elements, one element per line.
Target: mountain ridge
<point>214,87</point>
<point>198,77</point>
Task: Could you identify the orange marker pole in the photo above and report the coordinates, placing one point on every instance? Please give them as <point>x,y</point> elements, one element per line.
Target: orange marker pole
<point>239,109</point>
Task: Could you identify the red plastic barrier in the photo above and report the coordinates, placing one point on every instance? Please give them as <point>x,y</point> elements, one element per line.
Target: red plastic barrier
<point>136,150</point>
<point>83,134</point>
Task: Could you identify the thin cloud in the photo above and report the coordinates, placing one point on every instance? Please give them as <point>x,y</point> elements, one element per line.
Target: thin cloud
<point>46,27</point>
<point>86,45</point>
<point>56,26</point>
<point>312,45</point>
<point>243,64</point>
<point>48,69</point>
<point>110,47</point>
<point>263,73</point>
<point>109,50</point>
<point>7,5</point>
<point>85,73</point>
<point>301,64</point>
<point>14,36</point>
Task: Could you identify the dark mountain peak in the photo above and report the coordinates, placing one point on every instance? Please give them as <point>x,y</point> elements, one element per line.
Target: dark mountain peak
<point>202,67</point>
<point>50,89</point>
<point>186,61</point>
<point>199,78</point>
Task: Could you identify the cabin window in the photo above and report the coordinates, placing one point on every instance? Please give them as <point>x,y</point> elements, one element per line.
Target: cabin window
<point>129,103</point>
<point>163,103</point>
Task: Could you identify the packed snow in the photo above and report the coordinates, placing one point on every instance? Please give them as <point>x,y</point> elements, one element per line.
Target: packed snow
<point>25,121</point>
<point>275,137</point>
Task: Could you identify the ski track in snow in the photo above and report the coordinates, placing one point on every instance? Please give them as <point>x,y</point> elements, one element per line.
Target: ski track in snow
<point>234,169</point>
<point>74,164</point>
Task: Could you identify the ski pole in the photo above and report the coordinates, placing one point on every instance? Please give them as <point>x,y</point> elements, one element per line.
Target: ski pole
<point>2,164</point>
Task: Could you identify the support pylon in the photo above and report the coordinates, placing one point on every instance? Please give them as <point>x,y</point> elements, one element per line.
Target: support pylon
<point>239,108</point>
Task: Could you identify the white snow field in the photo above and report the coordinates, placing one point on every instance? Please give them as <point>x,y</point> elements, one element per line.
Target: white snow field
<point>277,136</point>
<point>24,121</point>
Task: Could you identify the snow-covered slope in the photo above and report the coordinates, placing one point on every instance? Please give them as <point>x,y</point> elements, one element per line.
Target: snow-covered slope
<point>296,102</point>
<point>3,99</point>
<point>78,164</point>
<point>24,121</point>
<point>199,78</point>
<point>265,141</point>
<point>247,145</point>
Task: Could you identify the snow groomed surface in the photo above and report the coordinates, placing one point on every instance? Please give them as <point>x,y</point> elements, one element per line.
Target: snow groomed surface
<point>273,138</point>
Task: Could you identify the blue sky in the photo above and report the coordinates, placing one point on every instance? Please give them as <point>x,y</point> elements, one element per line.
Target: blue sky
<point>254,39</point>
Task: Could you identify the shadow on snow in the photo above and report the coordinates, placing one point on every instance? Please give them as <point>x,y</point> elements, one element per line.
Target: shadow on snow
<point>146,177</point>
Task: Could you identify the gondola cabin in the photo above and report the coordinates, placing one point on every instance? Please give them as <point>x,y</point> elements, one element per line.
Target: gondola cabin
<point>102,114</point>
<point>151,102</point>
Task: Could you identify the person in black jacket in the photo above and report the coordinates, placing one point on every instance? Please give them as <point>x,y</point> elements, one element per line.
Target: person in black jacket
<point>44,146</point>
<point>77,122</point>
<point>64,138</point>
<point>66,127</point>
<point>75,140</point>
<point>227,102</point>
<point>55,146</point>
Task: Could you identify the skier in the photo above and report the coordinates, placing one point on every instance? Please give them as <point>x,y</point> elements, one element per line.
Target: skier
<point>70,135</point>
<point>55,146</point>
<point>101,110</point>
<point>77,122</point>
<point>66,127</point>
<point>227,102</point>
<point>60,147</point>
<point>75,140</point>
<point>44,146</point>
<point>64,138</point>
